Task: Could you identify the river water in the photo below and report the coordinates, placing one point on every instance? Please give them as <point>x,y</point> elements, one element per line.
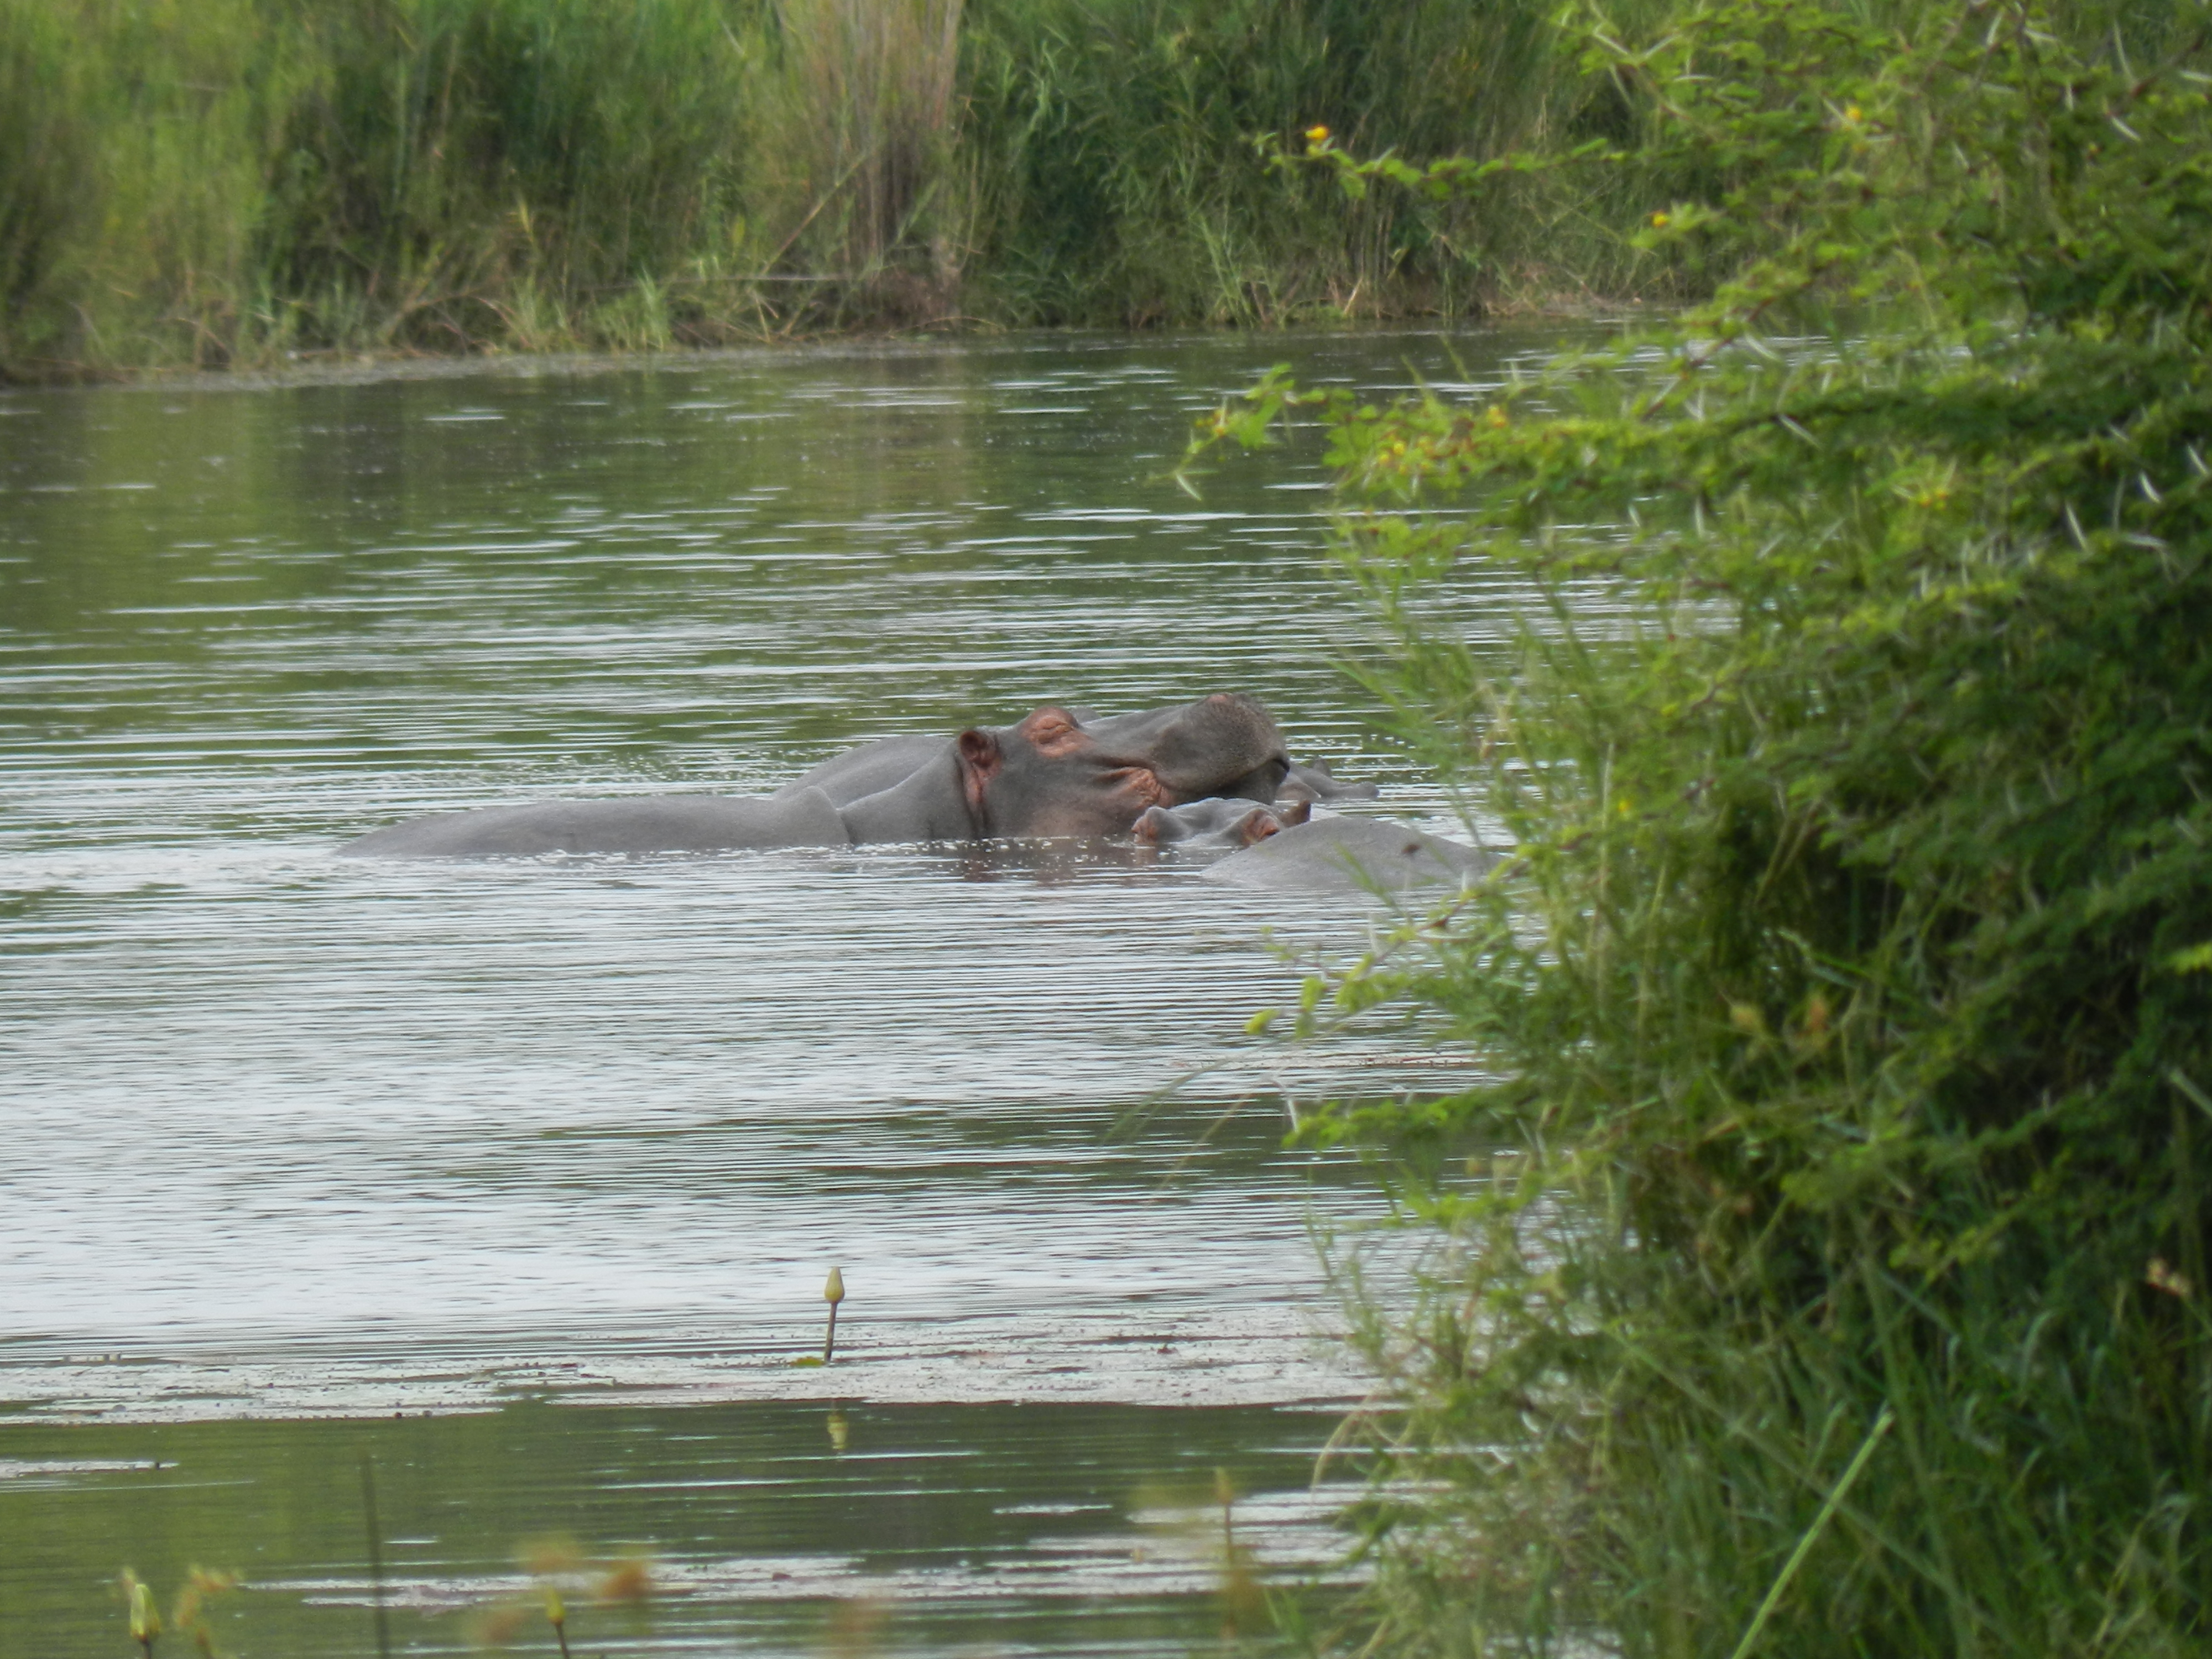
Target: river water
<point>549,1160</point>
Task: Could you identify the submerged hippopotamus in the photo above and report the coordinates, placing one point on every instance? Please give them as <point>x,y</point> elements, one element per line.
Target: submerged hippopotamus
<point>1217,821</point>
<point>1058,772</point>
<point>1348,855</point>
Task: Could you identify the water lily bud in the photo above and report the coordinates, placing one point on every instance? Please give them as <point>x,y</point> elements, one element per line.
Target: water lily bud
<point>833,1292</point>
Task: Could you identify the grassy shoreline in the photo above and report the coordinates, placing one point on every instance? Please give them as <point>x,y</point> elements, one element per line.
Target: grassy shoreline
<point>342,367</point>
<point>244,183</point>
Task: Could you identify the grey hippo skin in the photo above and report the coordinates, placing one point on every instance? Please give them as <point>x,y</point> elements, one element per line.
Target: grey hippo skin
<point>1316,782</point>
<point>1051,775</point>
<point>874,766</point>
<point>1344,854</point>
<point>1217,822</point>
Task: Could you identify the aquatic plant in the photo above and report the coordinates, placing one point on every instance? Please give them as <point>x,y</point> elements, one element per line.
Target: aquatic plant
<point>1820,1266</point>
<point>373,1525</point>
<point>145,1618</point>
<point>188,1615</point>
<point>131,151</point>
<point>456,170</point>
<point>833,1292</point>
<point>559,1567</point>
<point>1245,1609</point>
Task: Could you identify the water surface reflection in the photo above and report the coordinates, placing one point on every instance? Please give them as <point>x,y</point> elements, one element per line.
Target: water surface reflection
<point>767,1529</point>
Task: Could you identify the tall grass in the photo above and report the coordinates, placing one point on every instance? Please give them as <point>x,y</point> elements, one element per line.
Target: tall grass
<point>535,172</point>
<point>867,134</point>
<point>1121,180</point>
<point>236,179</point>
<point>131,158</point>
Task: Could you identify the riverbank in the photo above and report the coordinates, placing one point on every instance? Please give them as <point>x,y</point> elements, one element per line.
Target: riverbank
<point>243,185</point>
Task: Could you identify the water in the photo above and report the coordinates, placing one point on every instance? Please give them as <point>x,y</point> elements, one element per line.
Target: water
<point>291,1137</point>
<point>767,1528</point>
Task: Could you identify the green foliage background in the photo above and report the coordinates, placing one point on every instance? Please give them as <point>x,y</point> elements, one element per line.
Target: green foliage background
<point>1821,1267</point>
<point>230,180</point>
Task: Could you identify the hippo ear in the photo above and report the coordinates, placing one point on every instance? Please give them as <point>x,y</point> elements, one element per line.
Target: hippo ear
<point>1257,825</point>
<point>980,759</point>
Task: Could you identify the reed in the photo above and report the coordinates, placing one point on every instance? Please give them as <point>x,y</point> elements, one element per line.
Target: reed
<point>1120,178</point>
<point>862,152</point>
<point>130,155</point>
<point>460,172</point>
<point>238,180</point>
<point>242,180</point>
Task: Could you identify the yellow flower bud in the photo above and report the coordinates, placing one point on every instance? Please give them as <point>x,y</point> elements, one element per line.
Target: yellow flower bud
<point>145,1622</point>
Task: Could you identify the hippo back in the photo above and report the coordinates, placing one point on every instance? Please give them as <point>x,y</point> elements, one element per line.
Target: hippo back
<point>1348,855</point>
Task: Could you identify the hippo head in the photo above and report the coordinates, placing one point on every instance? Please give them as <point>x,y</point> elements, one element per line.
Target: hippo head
<point>1054,774</point>
<point>1222,821</point>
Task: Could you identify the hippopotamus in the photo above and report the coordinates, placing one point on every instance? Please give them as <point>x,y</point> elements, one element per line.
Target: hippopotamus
<point>1348,853</point>
<point>1051,774</point>
<point>872,767</point>
<point>1316,782</point>
<point>1217,822</point>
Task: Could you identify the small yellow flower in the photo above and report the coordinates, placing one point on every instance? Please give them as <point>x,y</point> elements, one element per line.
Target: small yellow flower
<point>1659,222</point>
<point>1316,135</point>
<point>1852,115</point>
<point>1497,415</point>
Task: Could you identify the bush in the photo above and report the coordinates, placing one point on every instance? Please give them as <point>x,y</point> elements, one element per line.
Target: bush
<point>1828,1271</point>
